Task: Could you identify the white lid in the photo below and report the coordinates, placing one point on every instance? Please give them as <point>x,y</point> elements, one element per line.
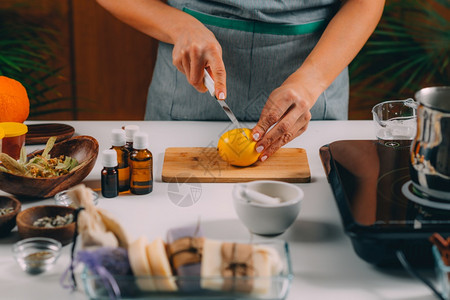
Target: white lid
<point>118,137</point>
<point>130,130</point>
<point>140,140</point>
<point>109,158</point>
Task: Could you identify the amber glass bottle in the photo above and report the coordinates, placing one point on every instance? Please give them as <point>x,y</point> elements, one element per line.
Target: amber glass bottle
<point>109,174</point>
<point>130,130</point>
<point>118,144</point>
<point>141,161</point>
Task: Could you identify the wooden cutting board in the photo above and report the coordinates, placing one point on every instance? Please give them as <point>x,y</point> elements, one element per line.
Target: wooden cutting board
<point>203,164</point>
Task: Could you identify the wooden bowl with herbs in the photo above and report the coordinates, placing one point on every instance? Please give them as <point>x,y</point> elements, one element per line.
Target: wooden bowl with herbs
<point>43,173</point>
<point>9,208</point>
<point>52,221</point>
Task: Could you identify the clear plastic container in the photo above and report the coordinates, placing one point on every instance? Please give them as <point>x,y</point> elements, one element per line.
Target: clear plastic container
<point>395,119</point>
<point>442,272</point>
<point>14,139</point>
<point>127,287</point>
<point>2,135</point>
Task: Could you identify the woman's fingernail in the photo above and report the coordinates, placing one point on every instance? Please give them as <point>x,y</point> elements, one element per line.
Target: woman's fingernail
<point>221,96</point>
<point>256,136</point>
<point>264,158</point>
<point>259,149</point>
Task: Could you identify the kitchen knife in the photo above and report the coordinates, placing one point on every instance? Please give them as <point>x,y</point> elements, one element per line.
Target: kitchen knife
<point>209,83</point>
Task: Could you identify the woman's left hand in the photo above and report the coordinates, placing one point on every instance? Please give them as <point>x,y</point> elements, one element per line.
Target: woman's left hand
<point>288,108</point>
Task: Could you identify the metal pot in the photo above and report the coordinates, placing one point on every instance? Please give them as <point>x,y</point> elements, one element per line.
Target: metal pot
<point>430,150</point>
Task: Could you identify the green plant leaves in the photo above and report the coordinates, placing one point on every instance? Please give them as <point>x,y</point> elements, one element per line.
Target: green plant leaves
<point>410,49</point>
<point>26,49</point>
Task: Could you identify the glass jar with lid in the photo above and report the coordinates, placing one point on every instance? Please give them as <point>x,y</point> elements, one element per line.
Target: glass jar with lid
<point>14,138</point>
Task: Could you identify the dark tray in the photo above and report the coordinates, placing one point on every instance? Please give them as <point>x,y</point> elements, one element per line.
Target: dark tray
<point>368,179</point>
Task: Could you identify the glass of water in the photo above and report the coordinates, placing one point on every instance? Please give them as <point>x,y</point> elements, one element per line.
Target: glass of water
<point>395,119</point>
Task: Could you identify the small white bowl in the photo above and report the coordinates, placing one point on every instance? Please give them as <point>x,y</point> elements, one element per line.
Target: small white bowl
<point>263,217</point>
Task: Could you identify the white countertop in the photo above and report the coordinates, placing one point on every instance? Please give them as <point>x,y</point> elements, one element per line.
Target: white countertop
<point>324,263</point>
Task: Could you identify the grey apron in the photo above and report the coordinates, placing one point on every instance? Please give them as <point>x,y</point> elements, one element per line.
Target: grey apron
<point>263,42</point>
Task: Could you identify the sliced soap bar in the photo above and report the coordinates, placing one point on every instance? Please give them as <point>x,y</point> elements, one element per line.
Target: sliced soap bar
<point>185,246</point>
<point>266,262</point>
<point>140,265</point>
<point>211,265</point>
<point>261,284</point>
<point>160,266</point>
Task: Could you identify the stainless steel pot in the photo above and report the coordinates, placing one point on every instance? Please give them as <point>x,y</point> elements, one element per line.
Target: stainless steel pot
<point>430,150</point>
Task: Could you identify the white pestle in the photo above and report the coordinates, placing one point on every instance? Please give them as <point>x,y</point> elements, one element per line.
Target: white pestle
<point>255,196</point>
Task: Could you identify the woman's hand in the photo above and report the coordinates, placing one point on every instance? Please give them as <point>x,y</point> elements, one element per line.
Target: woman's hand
<point>288,106</point>
<point>195,49</point>
<point>288,109</point>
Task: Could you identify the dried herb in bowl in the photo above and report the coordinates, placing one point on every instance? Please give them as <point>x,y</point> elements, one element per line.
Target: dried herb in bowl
<point>6,210</point>
<point>39,166</point>
<point>51,222</point>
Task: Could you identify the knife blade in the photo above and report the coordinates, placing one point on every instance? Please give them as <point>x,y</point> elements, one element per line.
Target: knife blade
<point>209,83</point>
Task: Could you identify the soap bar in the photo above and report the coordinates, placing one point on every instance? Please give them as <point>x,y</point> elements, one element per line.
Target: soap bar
<point>265,263</point>
<point>140,264</point>
<point>185,231</point>
<point>185,246</point>
<point>211,265</point>
<point>185,250</point>
<point>160,266</point>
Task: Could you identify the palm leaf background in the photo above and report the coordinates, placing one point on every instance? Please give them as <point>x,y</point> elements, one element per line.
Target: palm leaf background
<point>409,50</point>
<point>27,50</point>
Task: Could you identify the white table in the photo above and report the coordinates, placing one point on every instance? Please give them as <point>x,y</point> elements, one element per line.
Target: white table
<point>324,263</point>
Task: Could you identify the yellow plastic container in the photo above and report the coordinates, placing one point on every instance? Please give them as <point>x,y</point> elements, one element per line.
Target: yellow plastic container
<point>14,138</point>
<point>2,135</point>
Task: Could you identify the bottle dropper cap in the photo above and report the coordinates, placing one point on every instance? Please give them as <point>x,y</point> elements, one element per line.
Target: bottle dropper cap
<point>118,137</point>
<point>140,140</point>
<point>109,158</point>
<point>130,130</point>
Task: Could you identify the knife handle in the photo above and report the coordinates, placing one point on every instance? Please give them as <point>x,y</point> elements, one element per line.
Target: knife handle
<point>209,83</point>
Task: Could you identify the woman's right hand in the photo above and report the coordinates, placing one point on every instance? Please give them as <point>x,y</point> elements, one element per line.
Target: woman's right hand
<point>196,48</point>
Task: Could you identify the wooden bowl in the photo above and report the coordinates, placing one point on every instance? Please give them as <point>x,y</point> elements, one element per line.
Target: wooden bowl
<point>27,217</point>
<point>82,148</point>
<point>8,221</point>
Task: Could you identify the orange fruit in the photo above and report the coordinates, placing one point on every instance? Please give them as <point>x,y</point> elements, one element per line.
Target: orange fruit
<point>235,148</point>
<point>14,102</point>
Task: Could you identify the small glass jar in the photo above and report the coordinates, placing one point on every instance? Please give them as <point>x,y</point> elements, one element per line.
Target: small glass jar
<point>14,138</point>
<point>36,255</point>
<point>2,135</point>
<point>62,198</point>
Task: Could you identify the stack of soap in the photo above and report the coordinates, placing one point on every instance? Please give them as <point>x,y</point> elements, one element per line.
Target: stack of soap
<point>238,267</point>
<point>137,252</point>
<point>185,246</point>
<point>160,265</point>
<point>150,264</point>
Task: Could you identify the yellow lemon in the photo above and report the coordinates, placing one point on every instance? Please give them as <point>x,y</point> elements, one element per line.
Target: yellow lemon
<point>236,149</point>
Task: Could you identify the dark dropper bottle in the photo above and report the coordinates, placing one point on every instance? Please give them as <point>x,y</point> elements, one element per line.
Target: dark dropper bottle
<point>109,175</point>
